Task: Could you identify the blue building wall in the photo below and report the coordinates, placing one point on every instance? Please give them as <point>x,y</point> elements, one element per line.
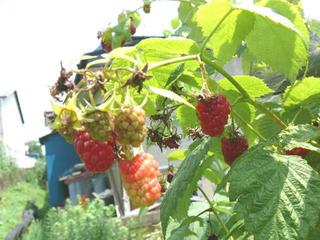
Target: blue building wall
<point>60,157</point>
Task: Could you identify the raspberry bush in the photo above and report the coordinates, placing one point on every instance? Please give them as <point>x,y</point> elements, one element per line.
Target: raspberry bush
<point>164,90</point>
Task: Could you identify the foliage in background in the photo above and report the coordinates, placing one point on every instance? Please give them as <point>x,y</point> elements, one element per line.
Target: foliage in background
<point>88,220</point>
<point>6,161</point>
<point>14,200</point>
<point>34,149</point>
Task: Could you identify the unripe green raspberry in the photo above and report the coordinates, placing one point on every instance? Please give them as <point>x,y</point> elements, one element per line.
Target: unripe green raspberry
<point>66,119</point>
<point>130,126</point>
<point>99,124</point>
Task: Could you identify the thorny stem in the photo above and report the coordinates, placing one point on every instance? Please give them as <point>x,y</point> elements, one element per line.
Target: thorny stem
<point>246,96</point>
<point>215,213</point>
<point>214,30</point>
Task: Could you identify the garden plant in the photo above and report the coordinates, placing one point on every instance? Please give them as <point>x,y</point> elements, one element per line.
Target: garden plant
<point>255,136</point>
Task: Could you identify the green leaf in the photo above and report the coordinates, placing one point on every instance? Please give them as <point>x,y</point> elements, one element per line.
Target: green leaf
<point>299,136</point>
<point>290,11</point>
<point>175,75</point>
<point>315,26</point>
<point>303,92</point>
<point>175,23</point>
<point>183,230</point>
<point>276,41</point>
<point>274,18</point>
<point>265,126</point>
<point>227,40</point>
<point>177,155</point>
<point>277,196</point>
<point>244,114</point>
<point>187,118</point>
<point>171,95</point>
<point>209,15</point>
<point>169,45</point>
<point>154,50</point>
<point>254,86</point>
<point>298,114</point>
<point>177,198</point>
<point>188,28</point>
<point>233,30</point>
<point>195,226</point>
<point>212,175</point>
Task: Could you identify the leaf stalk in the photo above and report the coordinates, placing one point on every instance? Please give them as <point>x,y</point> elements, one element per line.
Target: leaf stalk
<point>215,213</point>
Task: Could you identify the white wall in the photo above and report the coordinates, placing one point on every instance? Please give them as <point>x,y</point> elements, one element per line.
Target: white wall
<point>13,129</point>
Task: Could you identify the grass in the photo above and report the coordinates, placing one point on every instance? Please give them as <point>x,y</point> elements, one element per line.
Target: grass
<point>14,200</point>
<point>146,233</point>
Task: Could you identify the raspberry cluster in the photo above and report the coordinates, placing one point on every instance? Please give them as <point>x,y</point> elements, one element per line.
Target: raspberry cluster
<point>97,156</point>
<point>99,124</point>
<point>213,114</point>
<point>140,179</point>
<point>233,147</point>
<point>130,126</point>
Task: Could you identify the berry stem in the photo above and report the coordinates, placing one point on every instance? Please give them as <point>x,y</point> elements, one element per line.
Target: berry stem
<point>297,114</point>
<point>246,96</point>
<point>215,213</point>
<point>204,75</point>
<point>249,126</point>
<point>202,48</point>
<point>233,124</point>
<point>127,98</point>
<point>92,102</point>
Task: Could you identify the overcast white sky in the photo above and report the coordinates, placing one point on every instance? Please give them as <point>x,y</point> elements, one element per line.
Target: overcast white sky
<point>36,34</point>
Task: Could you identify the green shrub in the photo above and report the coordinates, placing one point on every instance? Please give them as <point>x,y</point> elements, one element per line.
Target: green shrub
<point>35,231</point>
<point>7,162</point>
<point>91,220</point>
<point>40,172</point>
<point>16,199</point>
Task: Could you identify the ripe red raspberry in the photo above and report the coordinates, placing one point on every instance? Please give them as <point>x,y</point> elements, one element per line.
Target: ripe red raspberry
<point>130,126</point>
<point>213,114</point>
<point>99,124</point>
<point>233,147</point>
<point>132,27</point>
<point>302,152</point>
<point>140,179</point>
<point>97,156</point>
